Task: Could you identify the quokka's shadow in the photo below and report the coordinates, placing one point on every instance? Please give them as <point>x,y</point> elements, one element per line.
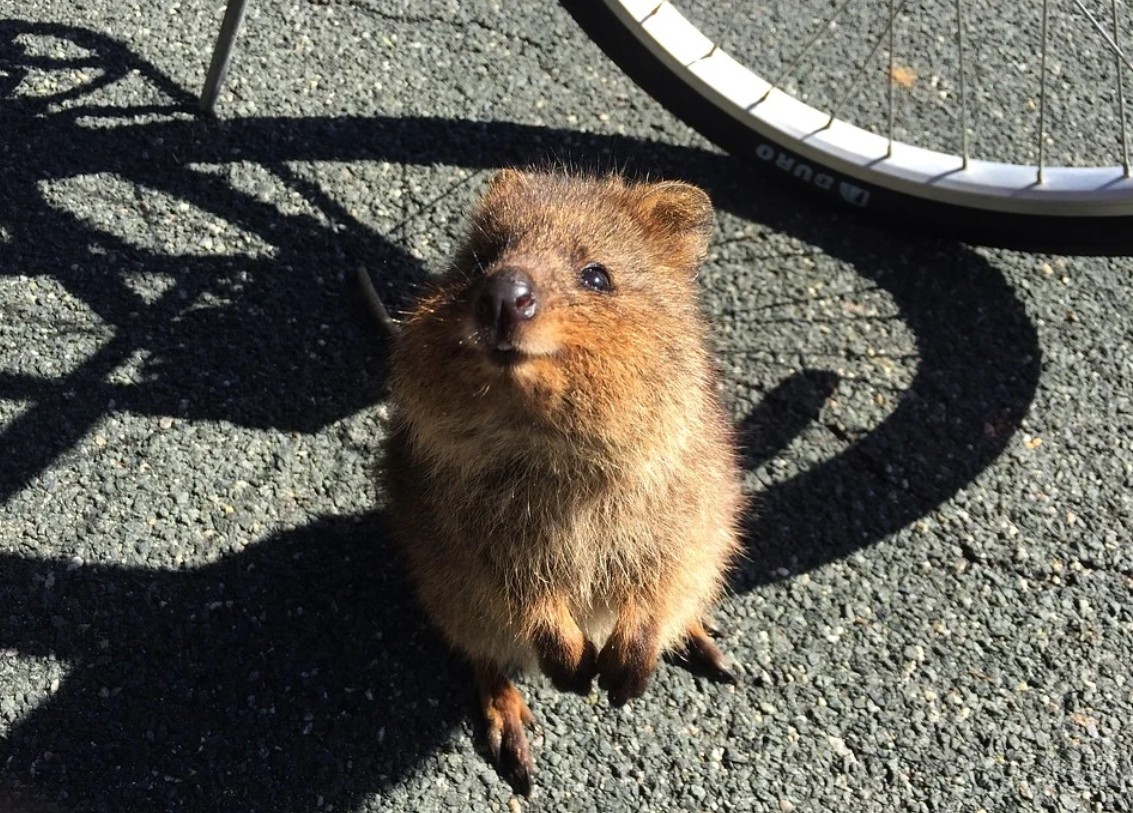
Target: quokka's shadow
<point>293,674</point>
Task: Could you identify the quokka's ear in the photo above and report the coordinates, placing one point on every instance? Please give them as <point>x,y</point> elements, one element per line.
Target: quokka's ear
<point>507,180</point>
<point>679,211</point>
<point>505,190</point>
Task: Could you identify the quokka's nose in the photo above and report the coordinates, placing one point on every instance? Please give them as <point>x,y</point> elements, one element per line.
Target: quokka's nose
<point>508,297</point>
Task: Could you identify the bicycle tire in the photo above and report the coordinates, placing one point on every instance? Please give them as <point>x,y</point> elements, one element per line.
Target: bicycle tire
<point>1095,220</point>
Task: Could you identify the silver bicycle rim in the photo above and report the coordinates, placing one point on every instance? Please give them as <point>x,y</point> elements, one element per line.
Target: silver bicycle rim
<point>777,118</point>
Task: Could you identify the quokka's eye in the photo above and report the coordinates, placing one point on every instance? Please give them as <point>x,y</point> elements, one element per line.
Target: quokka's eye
<point>595,277</point>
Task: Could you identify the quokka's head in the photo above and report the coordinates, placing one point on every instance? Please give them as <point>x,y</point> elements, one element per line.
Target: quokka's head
<point>572,302</point>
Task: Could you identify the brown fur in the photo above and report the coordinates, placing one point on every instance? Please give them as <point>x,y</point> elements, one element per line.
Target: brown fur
<point>575,510</point>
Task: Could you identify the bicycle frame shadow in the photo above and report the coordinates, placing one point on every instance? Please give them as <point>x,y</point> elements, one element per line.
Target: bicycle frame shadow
<point>265,360</point>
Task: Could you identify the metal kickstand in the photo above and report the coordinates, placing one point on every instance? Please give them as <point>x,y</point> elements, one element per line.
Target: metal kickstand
<point>221,54</point>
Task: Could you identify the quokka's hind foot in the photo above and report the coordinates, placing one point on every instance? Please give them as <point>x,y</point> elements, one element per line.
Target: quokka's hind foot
<point>701,656</point>
<point>506,717</point>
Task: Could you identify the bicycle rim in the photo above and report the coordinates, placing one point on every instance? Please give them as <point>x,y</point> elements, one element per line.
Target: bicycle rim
<point>1072,209</point>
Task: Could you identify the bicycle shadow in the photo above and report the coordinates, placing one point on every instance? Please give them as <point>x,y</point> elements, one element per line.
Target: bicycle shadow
<point>227,339</point>
<point>161,663</point>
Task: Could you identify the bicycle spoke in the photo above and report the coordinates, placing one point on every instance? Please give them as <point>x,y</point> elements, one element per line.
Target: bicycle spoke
<point>1119,58</point>
<point>1120,95</point>
<point>1105,36</point>
<point>1119,61</point>
<point>1042,95</point>
<point>889,147</point>
<point>865,65</point>
<point>963,94</point>
<point>801,55</point>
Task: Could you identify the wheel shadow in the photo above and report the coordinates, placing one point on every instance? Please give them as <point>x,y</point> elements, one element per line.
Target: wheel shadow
<point>175,674</point>
<point>978,369</point>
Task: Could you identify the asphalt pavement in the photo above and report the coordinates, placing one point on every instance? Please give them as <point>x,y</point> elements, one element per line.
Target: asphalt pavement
<point>199,606</point>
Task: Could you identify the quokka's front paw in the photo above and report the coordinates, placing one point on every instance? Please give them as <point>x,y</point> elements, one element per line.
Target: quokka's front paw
<point>575,677</point>
<point>625,666</point>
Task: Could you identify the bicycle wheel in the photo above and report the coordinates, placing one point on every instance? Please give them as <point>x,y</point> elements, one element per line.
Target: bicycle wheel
<point>1020,203</point>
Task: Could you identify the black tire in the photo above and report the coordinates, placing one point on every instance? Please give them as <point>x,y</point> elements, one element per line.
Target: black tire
<point>1070,234</point>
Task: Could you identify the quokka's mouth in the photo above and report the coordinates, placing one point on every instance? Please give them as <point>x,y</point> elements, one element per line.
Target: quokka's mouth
<point>505,354</point>
<point>511,349</point>
<point>503,348</point>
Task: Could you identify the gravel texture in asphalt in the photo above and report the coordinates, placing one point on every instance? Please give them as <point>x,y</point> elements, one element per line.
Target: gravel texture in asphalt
<point>199,606</point>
